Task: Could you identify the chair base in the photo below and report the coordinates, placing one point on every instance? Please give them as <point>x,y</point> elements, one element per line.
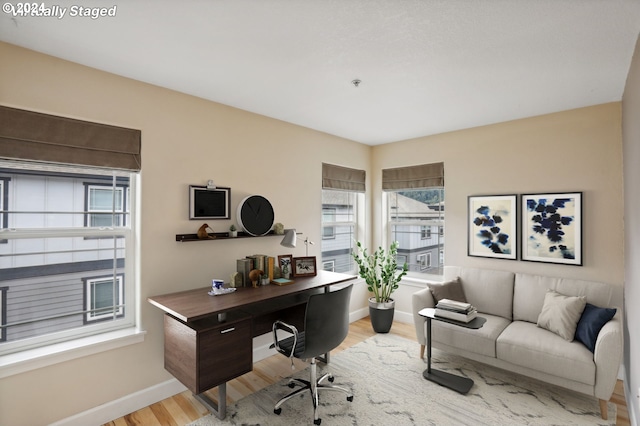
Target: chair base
<point>314,386</point>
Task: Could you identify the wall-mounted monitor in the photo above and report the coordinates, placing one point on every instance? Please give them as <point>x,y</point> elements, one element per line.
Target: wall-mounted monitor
<point>209,203</point>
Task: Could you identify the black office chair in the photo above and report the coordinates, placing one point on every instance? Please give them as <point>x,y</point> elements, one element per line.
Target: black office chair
<point>326,324</point>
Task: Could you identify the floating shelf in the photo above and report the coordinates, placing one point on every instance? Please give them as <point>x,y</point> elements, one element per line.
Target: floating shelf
<point>185,238</point>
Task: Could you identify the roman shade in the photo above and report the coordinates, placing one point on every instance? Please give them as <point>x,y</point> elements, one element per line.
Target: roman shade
<point>28,135</point>
<point>413,177</point>
<point>342,178</point>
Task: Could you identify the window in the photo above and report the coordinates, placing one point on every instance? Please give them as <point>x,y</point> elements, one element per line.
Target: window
<point>412,217</point>
<point>65,263</point>
<point>339,226</point>
<point>342,196</point>
<point>103,300</point>
<point>102,201</point>
<point>328,216</point>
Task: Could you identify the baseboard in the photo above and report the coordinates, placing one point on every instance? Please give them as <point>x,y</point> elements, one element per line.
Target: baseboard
<point>122,406</point>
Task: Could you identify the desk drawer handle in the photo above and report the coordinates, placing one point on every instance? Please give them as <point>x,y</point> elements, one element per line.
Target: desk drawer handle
<point>227,330</point>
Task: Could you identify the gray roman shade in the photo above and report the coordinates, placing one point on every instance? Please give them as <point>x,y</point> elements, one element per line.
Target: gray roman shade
<point>27,135</point>
<point>413,177</point>
<point>342,178</point>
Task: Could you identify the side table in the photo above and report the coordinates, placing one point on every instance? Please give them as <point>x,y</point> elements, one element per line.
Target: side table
<point>452,381</point>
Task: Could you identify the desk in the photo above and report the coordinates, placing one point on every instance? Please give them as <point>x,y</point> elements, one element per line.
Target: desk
<point>457,383</point>
<point>208,340</point>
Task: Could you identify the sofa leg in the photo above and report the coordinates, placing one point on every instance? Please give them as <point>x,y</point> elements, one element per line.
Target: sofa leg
<point>603,409</point>
<point>421,351</point>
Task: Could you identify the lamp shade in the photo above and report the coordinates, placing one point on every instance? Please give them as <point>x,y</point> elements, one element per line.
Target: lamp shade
<point>289,239</point>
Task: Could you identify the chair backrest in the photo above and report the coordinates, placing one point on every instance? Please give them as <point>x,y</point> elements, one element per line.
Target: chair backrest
<point>326,321</point>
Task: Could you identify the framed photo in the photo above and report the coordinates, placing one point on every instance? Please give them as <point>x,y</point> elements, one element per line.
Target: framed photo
<point>285,262</point>
<point>209,203</point>
<point>304,266</point>
<point>492,226</point>
<point>552,228</point>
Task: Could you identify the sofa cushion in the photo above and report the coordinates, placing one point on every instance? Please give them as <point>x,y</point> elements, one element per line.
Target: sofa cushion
<point>490,291</point>
<point>481,341</point>
<point>591,322</point>
<point>524,344</point>
<point>528,295</point>
<point>451,290</point>
<point>560,314</point>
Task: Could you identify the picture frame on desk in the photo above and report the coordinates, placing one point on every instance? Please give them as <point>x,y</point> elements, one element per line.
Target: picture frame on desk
<point>285,261</point>
<point>304,266</point>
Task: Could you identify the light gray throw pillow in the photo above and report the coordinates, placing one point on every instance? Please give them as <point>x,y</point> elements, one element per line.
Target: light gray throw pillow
<point>560,314</point>
<point>451,290</point>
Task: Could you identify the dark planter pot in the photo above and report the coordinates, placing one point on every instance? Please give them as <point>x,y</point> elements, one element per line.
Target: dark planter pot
<point>381,314</point>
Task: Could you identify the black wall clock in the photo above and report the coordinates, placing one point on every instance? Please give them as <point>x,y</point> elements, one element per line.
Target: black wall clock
<point>255,215</point>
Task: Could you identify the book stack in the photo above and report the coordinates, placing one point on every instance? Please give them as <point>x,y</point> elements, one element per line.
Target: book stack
<point>457,311</point>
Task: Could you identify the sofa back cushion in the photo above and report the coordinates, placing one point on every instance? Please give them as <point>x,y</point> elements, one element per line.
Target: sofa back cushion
<point>490,291</point>
<point>530,290</point>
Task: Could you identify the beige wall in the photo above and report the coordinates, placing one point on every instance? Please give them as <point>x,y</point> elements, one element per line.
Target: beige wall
<point>185,140</point>
<point>188,141</point>
<point>577,150</point>
<point>631,141</point>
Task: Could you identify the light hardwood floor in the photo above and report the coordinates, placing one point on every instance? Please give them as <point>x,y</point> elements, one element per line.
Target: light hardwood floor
<point>183,408</point>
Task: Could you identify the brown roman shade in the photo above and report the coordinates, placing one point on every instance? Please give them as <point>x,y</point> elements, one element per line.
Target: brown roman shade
<point>27,135</point>
<point>342,178</point>
<point>413,177</point>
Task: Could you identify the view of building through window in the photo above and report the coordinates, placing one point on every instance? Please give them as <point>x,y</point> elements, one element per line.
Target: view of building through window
<point>338,229</point>
<point>416,221</point>
<point>63,253</point>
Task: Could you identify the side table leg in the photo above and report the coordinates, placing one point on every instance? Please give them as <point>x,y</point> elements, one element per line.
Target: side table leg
<point>429,345</point>
<point>219,409</point>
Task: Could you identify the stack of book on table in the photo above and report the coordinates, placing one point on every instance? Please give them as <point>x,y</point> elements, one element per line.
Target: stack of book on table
<point>457,311</point>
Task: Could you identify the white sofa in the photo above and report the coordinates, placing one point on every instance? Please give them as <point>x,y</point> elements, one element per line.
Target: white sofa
<point>510,339</point>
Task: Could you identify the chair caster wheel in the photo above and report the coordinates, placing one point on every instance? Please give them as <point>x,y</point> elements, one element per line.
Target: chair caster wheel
<point>317,422</point>
<point>350,398</point>
<point>277,410</point>
<point>291,385</point>
<point>331,379</point>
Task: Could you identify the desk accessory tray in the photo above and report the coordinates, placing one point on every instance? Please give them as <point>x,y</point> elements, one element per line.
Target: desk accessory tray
<point>221,291</point>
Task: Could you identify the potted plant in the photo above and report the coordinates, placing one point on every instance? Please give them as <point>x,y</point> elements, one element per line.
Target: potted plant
<point>233,231</point>
<point>382,275</point>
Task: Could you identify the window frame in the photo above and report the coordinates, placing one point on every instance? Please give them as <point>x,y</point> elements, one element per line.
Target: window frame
<point>432,271</point>
<point>88,297</point>
<point>120,214</point>
<point>124,326</point>
<point>356,224</point>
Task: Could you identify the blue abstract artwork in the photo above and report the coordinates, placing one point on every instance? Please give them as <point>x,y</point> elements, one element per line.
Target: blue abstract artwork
<point>551,226</point>
<point>492,226</point>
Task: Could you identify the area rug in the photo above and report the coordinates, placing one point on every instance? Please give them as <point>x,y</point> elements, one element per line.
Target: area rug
<point>385,375</point>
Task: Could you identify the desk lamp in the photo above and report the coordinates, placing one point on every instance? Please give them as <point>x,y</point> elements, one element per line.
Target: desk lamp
<point>290,238</point>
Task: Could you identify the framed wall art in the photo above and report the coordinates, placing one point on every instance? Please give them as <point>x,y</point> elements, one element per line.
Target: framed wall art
<point>304,266</point>
<point>492,226</point>
<point>552,228</point>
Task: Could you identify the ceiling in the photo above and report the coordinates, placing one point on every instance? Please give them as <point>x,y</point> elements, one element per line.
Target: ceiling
<point>425,66</point>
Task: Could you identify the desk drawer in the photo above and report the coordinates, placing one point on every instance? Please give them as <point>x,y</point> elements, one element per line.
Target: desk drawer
<point>202,357</point>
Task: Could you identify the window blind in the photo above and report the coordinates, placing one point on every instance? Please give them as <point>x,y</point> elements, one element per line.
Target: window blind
<point>342,178</point>
<point>28,135</point>
<point>413,177</point>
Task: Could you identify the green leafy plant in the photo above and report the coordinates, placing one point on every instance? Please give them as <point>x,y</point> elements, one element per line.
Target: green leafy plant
<point>232,228</point>
<point>380,270</point>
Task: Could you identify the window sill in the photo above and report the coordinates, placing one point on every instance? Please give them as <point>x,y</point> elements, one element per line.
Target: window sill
<point>33,359</point>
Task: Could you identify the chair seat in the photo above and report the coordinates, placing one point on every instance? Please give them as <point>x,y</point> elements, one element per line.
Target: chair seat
<point>285,345</point>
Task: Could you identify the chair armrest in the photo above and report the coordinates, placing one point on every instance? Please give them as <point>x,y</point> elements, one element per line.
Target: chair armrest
<point>281,325</point>
<point>419,300</point>
<point>608,356</point>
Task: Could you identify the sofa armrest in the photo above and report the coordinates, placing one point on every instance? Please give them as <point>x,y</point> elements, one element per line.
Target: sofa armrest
<point>608,356</point>
<point>419,300</point>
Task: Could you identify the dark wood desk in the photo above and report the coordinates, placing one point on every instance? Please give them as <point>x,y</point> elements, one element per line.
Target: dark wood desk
<point>452,381</point>
<point>208,340</point>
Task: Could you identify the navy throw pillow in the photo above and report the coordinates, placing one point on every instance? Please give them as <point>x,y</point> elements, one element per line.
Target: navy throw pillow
<point>592,320</point>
